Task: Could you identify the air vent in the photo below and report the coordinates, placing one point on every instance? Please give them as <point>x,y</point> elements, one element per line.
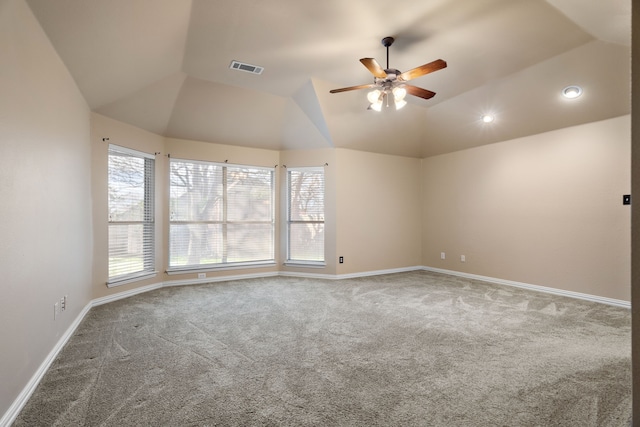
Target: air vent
<point>242,66</point>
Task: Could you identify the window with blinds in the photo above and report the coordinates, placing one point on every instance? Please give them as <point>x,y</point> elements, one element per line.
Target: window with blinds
<point>131,214</point>
<point>305,215</point>
<point>220,215</point>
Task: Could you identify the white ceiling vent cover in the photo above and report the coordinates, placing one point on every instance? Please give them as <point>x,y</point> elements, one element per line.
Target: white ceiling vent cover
<point>243,66</point>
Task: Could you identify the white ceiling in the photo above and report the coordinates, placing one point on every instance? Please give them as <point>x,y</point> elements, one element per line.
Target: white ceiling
<point>163,65</point>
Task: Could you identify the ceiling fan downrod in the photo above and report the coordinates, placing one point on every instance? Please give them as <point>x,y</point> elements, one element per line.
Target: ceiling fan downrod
<point>387,42</point>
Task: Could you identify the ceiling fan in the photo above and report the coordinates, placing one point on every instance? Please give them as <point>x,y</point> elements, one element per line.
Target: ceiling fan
<point>391,82</point>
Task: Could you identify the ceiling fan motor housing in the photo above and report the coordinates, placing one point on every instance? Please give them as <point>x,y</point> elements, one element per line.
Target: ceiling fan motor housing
<point>392,74</point>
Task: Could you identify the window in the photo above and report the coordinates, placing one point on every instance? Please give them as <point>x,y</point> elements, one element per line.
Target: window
<point>131,214</point>
<point>220,215</point>
<point>305,215</point>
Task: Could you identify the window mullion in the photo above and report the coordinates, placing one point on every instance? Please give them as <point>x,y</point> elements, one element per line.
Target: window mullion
<point>225,207</point>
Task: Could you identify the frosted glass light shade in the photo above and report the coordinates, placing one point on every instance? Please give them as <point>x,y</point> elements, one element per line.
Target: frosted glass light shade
<point>373,96</point>
<point>399,93</point>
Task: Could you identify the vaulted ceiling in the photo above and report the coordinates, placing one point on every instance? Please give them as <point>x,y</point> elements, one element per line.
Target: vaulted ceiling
<point>163,65</point>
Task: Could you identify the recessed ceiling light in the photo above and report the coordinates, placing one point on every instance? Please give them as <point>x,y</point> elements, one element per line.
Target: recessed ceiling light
<point>572,92</point>
<point>488,118</point>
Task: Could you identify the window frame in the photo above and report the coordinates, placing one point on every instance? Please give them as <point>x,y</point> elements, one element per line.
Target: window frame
<point>224,222</point>
<point>304,262</point>
<point>148,218</point>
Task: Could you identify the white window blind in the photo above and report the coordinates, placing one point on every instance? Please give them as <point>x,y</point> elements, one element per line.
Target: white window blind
<point>305,215</point>
<point>220,215</point>
<point>131,213</point>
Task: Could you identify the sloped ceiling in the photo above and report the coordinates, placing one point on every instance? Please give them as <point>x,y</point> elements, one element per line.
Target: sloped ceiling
<point>163,65</point>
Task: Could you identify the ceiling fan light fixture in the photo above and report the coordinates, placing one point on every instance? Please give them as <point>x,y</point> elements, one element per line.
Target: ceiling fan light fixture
<point>572,92</point>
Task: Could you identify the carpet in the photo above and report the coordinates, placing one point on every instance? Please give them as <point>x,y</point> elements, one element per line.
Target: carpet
<point>407,349</point>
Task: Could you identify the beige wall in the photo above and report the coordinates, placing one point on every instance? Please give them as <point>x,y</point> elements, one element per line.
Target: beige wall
<point>544,210</point>
<point>45,214</point>
<point>378,211</point>
<point>635,220</point>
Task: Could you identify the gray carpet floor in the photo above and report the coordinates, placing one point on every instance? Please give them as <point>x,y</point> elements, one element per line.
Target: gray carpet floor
<point>408,349</point>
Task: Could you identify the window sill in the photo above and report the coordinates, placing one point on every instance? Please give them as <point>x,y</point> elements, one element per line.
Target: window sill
<point>305,264</point>
<point>131,279</point>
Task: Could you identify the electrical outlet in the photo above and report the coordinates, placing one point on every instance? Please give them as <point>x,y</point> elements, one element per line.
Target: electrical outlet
<point>202,275</point>
<point>56,310</point>
<point>442,255</point>
<point>463,258</point>
<point>63,303</point>
<point>341,260</point>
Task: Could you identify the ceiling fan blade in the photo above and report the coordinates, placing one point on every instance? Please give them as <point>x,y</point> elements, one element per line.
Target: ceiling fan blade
<point>373,66</point>
<point>418,91</point>
<point>345,89</point>
<point>436,65</point>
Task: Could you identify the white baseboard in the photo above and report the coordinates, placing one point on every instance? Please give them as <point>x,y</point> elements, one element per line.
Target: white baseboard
<point>376,273</point>
<point>125,294</point>
<point>346,276</point>
<point>537,288</point>
<point>12,413</point>
<point>10,416</point>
